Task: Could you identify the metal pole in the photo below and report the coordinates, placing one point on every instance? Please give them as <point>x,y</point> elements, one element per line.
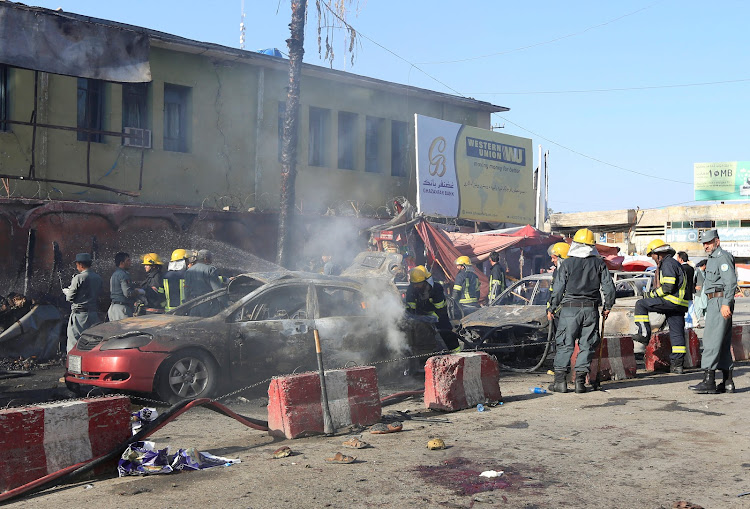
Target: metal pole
<point>538,184</point>
<point>328,428</point>
<point>29,260</point>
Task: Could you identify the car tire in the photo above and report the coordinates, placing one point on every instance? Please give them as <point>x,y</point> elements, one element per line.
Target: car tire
<point>186,375</point>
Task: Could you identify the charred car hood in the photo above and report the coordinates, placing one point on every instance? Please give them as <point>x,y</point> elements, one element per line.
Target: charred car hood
<point>150,324</point>
<point>500,316</point>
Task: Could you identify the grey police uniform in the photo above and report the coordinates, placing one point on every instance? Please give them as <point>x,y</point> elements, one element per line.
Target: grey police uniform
<point>83,294</point>
<point>121,292</point>
<point>576,290</point>
<point>719,285</point>
<point>201,279</point>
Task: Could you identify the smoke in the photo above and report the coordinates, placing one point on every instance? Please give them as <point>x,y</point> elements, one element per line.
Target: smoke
<point>385,306</point>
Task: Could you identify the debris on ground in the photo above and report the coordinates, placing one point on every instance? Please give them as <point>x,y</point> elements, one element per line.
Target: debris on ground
<point>281,452</point>
<point>145,414</point>
<point>341,458</point>
<point>355,443</point>
<point>142,458</point>
<point>436,444</point>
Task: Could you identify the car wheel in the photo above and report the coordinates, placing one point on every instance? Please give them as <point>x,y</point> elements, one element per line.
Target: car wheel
<point>188,374</point>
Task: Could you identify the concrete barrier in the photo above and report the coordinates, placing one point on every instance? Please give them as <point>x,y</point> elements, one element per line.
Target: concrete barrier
<point>741,342</point>
<point>40,440</point>
<point>657,354</point>
<point>294,402</point>
<point>617,360</point>
<point>458,381</point>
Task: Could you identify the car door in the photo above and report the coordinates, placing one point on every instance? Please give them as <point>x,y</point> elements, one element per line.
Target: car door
<point>272,333</point>
<point>349,331</point>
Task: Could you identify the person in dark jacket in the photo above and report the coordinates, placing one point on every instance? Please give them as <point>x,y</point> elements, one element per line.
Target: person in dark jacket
<point>428,298</point>
<point>174,280</point>
<point>83,294</point>
<point>121,289</point>
<point>466,286</point>
<point>497,277</point>
<point>670,299</point>
<point>579,282</point>
<point>200,279</point>
<point>154,283</point>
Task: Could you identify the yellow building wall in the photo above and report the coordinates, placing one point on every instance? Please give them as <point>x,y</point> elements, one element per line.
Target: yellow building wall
<point>219,168</point>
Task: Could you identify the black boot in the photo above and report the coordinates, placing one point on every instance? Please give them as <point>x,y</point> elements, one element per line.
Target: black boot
<point>676,366</point>
<point>708,385</point>
<point>644,340</point>
<point>727,384</point>
<point>580,383</point>
<point>560,384</point>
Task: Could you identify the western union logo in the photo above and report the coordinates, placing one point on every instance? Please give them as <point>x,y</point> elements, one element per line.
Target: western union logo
<point>495,151</point>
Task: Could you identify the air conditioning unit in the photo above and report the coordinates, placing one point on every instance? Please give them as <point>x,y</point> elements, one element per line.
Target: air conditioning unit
<point>136,137</point>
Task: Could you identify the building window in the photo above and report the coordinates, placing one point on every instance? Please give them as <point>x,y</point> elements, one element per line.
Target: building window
<point>176,110</point>
<point>90,109</point>
<point>135,105</point>
<point>347,140</point>
<point>373,135</point>
<point>281,116</point>
<point>4,97</point>
<point>319,118</point>
<point>398,149</point>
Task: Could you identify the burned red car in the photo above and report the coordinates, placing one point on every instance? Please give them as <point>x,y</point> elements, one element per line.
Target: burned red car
<point>263,326</point>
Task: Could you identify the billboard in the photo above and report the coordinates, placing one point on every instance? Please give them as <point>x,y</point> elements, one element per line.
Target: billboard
<point>473,173</point>
<point>721,181</point>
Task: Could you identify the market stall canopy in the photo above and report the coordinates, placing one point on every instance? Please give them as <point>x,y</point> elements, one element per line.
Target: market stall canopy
<point>637,263</point>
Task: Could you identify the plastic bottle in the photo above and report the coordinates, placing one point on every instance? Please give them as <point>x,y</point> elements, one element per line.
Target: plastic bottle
<point>537,390</point>
<point>480,407</point>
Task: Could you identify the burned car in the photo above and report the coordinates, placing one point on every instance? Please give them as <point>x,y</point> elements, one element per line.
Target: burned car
<point>515,327</point>
<point>263,326</point>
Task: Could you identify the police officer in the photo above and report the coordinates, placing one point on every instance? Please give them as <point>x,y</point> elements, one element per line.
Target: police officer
<point>577,290</point>
<point>669,299</point>
<point>154,283</point>
<point>719,286</point>
<point>174,280</point>
<point>466,286</point>
<point>200,279</point>
<point>121,289</point>
<point>82,294</point>
<point>497,277</point>
<point>424,297</point>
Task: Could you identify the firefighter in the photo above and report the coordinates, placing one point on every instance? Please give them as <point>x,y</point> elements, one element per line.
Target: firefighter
<point>200,279</point>
<point>719,286</point>
<point>557,252</point>
<point>669,299</point>
<point>497,276</point>
<point>154,283</point>
<point>174,280</point>
<point>466,286</point>
<point>428,299</point>
<point>82,294</point>
<point>121,289</point>
<point>576,290</point>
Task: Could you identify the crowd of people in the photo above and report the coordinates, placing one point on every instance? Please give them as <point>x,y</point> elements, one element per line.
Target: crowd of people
<point>189,274</point>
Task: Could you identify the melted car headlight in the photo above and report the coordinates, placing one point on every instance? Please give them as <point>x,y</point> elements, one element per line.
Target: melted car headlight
<point>125,342</point>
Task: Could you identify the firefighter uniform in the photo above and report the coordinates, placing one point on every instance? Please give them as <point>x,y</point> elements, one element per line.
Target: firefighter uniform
<point>576,290</point>
<point>154,283</point>
<point>497,281</point>
<point>670,299</point>
<point>719,286</point>
<point>174,280</point>
<point>201,279</point>
<point>429,299</point>
<point>466,286</point>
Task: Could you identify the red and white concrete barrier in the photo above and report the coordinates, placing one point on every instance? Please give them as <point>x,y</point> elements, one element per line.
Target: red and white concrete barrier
<point>616,361</point>
<point>40,440</point>
<point>659,349</point>
<point>458,381</point>
<point>741,342</point>
<point>294,402</point>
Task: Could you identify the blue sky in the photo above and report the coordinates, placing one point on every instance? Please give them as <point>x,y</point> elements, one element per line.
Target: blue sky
<point>554,64</point>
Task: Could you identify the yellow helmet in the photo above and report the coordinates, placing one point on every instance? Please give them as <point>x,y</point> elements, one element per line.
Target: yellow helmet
<point>417,275</point>
<point>463,260</point>
<point>658,246</point>
<point>152,259</point>
<point>584,236</point>
<point>560,249</point>
<point>427,273</point>
<point>179,254</point>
